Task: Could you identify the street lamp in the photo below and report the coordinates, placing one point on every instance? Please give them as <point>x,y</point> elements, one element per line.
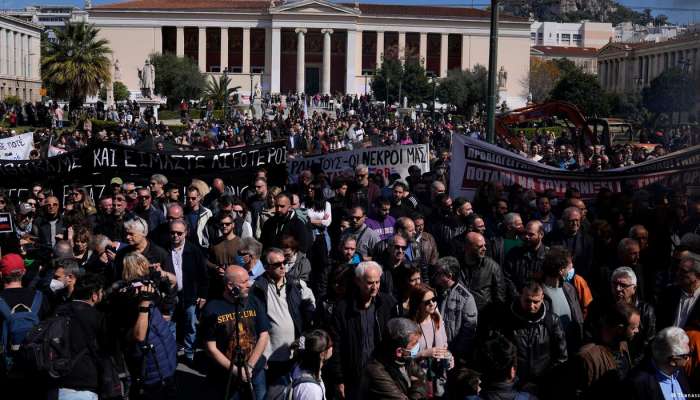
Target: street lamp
<point>250,98</point>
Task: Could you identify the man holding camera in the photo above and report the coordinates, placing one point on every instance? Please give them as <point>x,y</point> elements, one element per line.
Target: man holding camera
<point>235,328</point>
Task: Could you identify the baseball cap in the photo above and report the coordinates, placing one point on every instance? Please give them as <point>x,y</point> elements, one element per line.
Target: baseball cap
<point>10,263</point>
<point>116,181</point>
<point>24,209</point>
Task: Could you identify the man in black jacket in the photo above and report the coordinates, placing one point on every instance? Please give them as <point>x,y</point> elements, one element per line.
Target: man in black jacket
<point>524,263</point>
<point>480,274</point>
<point>87,339</point>
<point>49,228</point>
<point>285,221</point>
<point>537,334</point>
<point>576,241</point>
<point>192,282</point>
<point>680,303</point>
<point>358,328</point>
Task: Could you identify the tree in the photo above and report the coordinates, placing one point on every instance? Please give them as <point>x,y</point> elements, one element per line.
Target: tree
<point>542,79</point>
<point>410,79</point>
<point>177,78</point>
<point>219,91</point>
<point>583,90</point>
<point>120,91</point>
<point>76,63</point>
<point>673,91</point>
<point>464,89</point>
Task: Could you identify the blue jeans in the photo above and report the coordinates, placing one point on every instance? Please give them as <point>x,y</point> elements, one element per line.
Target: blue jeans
<point>259,387</point>
<point>70,394</point>
<point>189,330</point>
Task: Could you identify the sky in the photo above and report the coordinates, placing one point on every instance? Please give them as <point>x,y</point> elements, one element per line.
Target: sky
<point>678,11</point>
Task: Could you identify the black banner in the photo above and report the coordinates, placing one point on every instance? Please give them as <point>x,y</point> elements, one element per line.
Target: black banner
<point>94,166</point>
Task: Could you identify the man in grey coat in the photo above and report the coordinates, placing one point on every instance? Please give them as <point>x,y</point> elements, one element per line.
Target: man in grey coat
<point>456,305</point>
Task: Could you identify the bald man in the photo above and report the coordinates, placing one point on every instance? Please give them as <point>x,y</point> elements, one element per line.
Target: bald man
<point>218,324</point>
<point>480,274</point>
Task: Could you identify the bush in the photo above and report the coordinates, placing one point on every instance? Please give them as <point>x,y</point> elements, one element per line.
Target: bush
<point>109,126</point>
<point>13,101</point>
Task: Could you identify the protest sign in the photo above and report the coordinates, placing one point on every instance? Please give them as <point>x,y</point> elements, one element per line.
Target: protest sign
<point>94,166</point>
<point>475,162</point>
<point>17,147</point>
<point>6,222</point>
<point>387,160</point>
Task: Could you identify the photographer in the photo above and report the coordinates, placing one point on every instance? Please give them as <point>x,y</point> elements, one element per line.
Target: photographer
<point>140,299</point>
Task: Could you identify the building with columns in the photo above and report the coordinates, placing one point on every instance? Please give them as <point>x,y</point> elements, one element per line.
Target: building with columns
<point>629,67</point>
<point>20,57</point>
<point>311,46</point>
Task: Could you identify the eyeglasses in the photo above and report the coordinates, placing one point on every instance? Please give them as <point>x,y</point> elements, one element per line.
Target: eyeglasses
<point>178,233</point>
<point>144,197</point>
<point>130,191</point>
<point>431,300</point>
<point>358,218</point>
<point>276,265</point>
<point>621,285</point>
<point>192,198</point>
<point>226,223</point>
<point>243,253</point>
<point>49,204</point>
<point>399,247</point>
<point>684,356</point>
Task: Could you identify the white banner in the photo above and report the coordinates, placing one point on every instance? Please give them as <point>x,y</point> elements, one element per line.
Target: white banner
<point>387,160</point>
<point>17,147</point>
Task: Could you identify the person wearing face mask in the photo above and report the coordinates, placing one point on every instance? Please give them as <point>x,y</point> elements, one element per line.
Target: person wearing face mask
<point>393,373</point>
<point>295,262</point>
<point>663,377</point>
<point>66,274</point>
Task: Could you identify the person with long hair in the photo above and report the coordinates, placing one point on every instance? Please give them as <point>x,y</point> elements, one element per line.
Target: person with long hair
<point>433,354</point>
<point>312,351</point>
<point>319,211</point>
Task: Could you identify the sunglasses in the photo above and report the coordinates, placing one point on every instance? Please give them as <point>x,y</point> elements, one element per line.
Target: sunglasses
<point>144,197</point>
<point>276,265</point>
<point>192,198</point>
<point>226,223</point>
<point>243,254</point>
<point>397,247</point>
<point>178,233</point>
<point>432,300</point>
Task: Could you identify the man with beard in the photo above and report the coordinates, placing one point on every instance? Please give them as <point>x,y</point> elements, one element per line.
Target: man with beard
<point>49,227</point>
<point>145,209</point>
<point>524,262</point>
<point>480,274</point>
<point>114,228</point>
<point>576,241</point>
<point>285,221</point>
<point>365,193</point>
<point>365,237</point>
<point>383,223</point>
<point>403,203</point>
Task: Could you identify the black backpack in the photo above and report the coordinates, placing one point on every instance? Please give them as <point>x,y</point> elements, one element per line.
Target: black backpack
<point>47,348</point>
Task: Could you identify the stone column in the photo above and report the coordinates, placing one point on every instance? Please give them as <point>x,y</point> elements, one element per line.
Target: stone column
<point>353,60</point>
<point>380,48</point>
<point>465,52</point>
<point>423,48</point>
<point>223,62</point>
<point>180,41</point>
<point>246,51</point>
<point>301,59</point>
<point>443,54</point>
<point>202,49</point>
<point>326,74</point>
<point>402,47</point>
<point>16,55</point>
<point>275,44</point>
<point>3,52</point>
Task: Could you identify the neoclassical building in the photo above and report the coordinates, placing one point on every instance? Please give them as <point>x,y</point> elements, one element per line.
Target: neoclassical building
<point>20,56</point>
<point>629,67</point>
<point>311,46</point>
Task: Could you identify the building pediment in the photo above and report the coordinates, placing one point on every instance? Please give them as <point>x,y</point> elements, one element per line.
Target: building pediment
<point>314,7</point>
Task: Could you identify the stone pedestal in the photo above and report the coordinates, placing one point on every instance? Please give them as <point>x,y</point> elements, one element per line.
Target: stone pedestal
<point>145,102</point>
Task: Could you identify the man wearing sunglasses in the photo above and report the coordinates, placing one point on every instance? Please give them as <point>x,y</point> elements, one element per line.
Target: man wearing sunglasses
<point>50,226</point>
<point>192,283</point>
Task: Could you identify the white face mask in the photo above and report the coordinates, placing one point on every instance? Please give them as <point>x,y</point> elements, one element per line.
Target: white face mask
<point>56,285</point>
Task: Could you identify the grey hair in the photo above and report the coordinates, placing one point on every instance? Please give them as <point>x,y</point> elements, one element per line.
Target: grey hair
<point>361,168</point>
<point>447,265</point>
<point>161,179</point>
<point>181,221</point>
<point>694,260</point>
<point>363,267</point>
<point>71,267</point>
<point>510,218</point>
<point>634,229</point>
<point>99,243</point>
<point>625,243</point>
<point>62,249</point>
<point>624,271</point>
<point>175,205</point>
<point>137,224</point>
<point>570,210</point>
<point>671,341</point>
<point>399,330</point>
<point>273,250</point>
<point>437,184</point>
<point>252,246</point>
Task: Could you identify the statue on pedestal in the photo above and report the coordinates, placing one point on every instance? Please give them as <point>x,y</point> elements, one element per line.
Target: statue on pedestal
<point>258,91</point>
<point>147,76</point>
<point>502,78</point>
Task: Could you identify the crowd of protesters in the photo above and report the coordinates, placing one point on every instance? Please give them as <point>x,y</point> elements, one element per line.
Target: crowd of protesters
<point>350,287</point>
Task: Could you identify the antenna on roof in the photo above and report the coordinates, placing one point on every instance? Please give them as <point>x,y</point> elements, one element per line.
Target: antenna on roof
<point>88,4</point>
<point>357,4</point>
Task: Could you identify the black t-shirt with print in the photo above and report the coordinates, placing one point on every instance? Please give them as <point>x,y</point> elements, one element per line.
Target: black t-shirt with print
<point>218,321</point>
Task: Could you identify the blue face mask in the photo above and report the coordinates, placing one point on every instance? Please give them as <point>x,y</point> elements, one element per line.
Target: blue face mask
<point>414,351</point>
<point>569,275</point>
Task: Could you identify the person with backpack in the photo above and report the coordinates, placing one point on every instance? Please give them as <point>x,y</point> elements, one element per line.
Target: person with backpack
<point>21,309</point>
<point>312,350</point>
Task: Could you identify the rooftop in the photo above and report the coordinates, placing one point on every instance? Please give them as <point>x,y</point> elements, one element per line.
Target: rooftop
<point>564,51</point>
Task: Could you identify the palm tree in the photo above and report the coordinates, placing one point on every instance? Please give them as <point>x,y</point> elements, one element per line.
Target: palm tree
<point>219,91</point>
<point>76,63</point>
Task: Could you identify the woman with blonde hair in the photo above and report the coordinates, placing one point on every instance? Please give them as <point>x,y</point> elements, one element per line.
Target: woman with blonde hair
<point>137,266</point>
<point>82,201</point>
